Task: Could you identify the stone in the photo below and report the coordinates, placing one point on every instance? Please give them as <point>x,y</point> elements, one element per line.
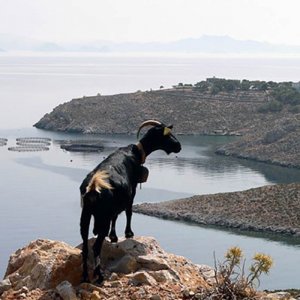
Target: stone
<point>22,296</point>
<point>155,297</point>
<point>113,277</point>
<point>152,262</point>
<point>162,276</point>
<point>116,284</point>
<point>278,296</point>
<point>186,293</point>
<point>95,296</point>
<point>4,285</point>
<point>198,296</point>
<point>140,278</point>
<point>66,291</point>
<point>127,264</point>
<point>44,264</point>
<point>154,272</point>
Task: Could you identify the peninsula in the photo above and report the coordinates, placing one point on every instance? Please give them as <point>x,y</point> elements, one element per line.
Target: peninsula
<point>265,114</point>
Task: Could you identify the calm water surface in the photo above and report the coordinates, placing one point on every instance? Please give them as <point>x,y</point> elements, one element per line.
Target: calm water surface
<point>40,198</point>
<point>39,191</point>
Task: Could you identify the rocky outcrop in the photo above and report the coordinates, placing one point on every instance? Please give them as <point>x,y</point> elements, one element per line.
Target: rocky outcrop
<point>135,269</point>
<point>271,209</point>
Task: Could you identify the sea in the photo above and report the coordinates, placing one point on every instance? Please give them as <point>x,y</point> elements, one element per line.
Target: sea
<point>40,190</point>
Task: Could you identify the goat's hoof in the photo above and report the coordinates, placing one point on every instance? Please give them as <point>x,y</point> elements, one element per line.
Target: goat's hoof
<point>113,238</point>
<point>129,235</point>
<point>99,276</point>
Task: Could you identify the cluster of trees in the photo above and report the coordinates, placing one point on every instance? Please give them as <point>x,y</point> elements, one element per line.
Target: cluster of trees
<point>281,93</point>
<point>216,85</point>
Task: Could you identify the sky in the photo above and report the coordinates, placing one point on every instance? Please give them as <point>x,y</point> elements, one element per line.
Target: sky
<point>275,21</point>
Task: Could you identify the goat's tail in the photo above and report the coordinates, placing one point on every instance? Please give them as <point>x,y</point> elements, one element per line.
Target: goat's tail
<point>99,182</point>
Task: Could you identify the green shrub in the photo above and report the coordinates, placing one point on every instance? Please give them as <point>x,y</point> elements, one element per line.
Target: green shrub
<point>272,106</point>
<point>295,109</point>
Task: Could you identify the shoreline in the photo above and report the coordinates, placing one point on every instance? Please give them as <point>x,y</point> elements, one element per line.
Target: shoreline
<point>270,209</point>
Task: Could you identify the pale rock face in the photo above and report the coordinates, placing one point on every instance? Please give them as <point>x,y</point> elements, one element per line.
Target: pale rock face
<point>66,291</point>
<point>44,264</point>
<point>4,285</point>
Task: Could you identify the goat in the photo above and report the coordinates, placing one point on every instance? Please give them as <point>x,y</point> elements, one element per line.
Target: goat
<point>110,188</point>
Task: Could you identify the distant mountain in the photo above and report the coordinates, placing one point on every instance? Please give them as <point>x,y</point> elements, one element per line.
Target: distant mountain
<point>20,43</point>
<point>204,44</point>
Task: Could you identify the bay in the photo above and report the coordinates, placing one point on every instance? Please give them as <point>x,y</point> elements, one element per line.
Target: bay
<point>40,190</point>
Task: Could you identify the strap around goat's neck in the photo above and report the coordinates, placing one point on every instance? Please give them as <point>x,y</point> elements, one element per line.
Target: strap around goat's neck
<point>142,152</point>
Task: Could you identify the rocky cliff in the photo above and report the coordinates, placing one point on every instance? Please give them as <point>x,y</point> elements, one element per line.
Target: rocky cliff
<point>135,269</point>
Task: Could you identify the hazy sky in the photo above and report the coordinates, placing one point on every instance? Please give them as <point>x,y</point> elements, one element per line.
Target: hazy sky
<point>276,21</point>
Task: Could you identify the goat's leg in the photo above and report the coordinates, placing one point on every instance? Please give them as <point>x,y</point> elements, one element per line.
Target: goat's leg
<point>128,232</point>
<point>84,230</point>
<point>112,235</point>
<point>103,231</point>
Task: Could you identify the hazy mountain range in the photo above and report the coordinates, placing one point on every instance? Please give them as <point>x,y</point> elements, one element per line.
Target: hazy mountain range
<point>204,44</point>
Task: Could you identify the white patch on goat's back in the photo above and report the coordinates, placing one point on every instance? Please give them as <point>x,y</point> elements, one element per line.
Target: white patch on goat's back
<point>98,182</point>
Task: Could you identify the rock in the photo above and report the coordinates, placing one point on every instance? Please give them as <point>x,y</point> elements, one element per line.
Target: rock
<point>113,277</point>
<point>127,264</point>
<point>278,296</point>
<point>66,291</point>
<point>95,296</point>
<point>140,278</point>
<point>4,285</point>
<point>49,269</point>
<point>162,276</point>
<point>44,264</point>
<point>152,262</point>
<point>116,284</point>
<point>198,296</point>
<point>155,297</point>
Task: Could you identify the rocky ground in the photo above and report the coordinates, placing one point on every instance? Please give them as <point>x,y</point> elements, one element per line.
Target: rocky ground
<point>273,208</point>
<point>135,269</point>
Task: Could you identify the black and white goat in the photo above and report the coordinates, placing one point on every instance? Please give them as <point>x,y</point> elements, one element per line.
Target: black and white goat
<point>110,188</point>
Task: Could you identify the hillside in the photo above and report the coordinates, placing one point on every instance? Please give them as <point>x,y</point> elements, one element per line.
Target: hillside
<point>267,135</point>
<point>190,111</point>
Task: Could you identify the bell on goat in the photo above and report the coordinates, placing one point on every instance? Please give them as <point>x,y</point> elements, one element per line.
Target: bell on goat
<point>143,176</point>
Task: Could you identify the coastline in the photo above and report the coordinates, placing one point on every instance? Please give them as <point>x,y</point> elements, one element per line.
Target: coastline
<point>273,209</point>
<point>270,137</point>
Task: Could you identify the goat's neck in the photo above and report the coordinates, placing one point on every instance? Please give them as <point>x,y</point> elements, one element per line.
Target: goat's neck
<point>142,152</point>
<point>145,149</point>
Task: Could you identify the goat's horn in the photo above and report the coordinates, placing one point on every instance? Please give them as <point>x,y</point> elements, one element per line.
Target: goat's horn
<point>147,123</point>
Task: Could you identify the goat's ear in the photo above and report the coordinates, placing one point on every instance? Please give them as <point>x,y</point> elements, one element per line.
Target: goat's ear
<point>167,131</point>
